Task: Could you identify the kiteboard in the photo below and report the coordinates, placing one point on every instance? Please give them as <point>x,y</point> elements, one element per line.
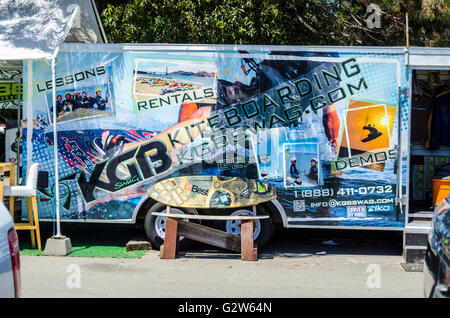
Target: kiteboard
<point>204,192</point>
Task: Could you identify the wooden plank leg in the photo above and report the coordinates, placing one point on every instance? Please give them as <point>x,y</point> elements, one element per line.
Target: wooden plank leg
<point>248,252</point>
<point>170,240</point>
<point>36,221</point>
<point>11,183</point>
<point>11,206</point>
<point>204,234</point>
<point>30,219</point>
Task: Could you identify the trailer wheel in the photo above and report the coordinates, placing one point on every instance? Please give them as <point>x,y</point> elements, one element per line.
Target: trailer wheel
<point>263,228</point>
<point>155,225</point>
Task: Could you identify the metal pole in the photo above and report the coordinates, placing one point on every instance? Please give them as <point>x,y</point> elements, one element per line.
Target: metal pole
<point>55,149</point>
<point>19,131</point>
<point>29,114</point>
<point>398,190</point>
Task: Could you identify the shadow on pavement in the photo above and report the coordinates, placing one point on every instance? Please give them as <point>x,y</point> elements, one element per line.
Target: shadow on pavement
<point>300,243</point>
<point>297,243</point>
<point>84,234</point>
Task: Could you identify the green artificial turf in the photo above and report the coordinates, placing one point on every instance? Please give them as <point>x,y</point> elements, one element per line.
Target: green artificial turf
<point>89,251</point>
<point>87,241</point>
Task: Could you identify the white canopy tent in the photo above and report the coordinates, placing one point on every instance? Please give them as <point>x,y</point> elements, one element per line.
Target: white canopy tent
<point>35,30</point>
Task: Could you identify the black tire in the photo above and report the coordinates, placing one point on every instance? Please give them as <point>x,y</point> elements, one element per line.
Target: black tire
<point>150,228</point>
<point>266,226</point>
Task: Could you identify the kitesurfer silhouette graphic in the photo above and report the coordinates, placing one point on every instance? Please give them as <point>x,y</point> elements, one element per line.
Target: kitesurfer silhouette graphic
<point>373,133</point>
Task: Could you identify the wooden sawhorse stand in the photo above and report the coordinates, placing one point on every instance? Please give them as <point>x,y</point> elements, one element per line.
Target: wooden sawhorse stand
<point>176,227</point>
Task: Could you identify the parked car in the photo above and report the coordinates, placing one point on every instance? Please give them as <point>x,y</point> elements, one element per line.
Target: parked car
<point>437,258</point>
<point>9,256</point>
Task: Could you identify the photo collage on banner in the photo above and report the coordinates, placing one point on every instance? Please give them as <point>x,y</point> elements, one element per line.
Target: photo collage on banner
<point>319,127</point>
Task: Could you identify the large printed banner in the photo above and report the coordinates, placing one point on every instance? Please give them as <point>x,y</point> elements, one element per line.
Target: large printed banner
<point>322,128</point>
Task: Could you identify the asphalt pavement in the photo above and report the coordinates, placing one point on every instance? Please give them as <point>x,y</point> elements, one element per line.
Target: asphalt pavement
<point>296,263</point>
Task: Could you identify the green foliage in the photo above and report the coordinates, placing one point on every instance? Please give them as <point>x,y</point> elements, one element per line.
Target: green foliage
<point>283,22</point>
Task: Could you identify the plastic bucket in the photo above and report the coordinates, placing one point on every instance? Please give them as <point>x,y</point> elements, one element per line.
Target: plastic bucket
<point>441,189</point>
